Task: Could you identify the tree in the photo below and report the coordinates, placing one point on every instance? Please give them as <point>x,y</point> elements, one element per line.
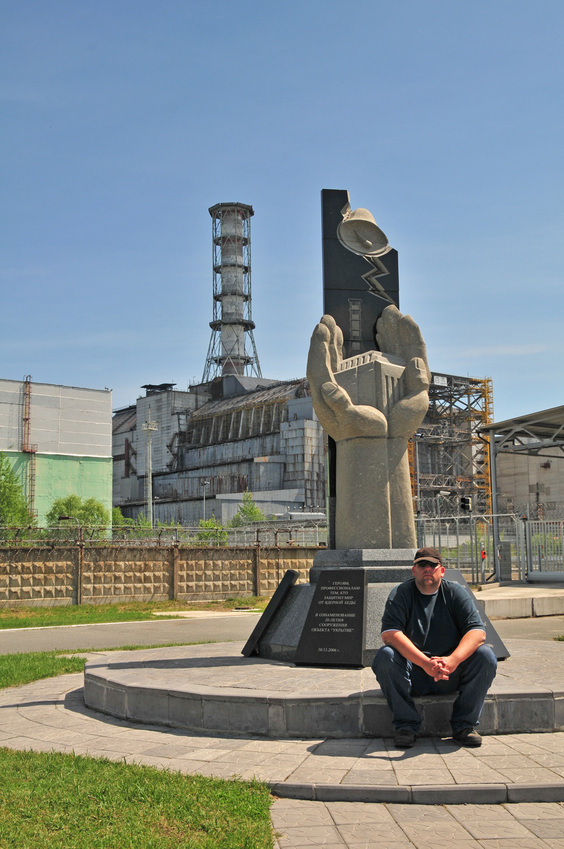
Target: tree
<point>89,512</point>
<point>14,509</point>
<point>247,513</point>
<point>212,531</point>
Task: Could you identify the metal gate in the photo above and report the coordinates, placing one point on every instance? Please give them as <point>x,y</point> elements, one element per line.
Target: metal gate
<point>467,543</point>
<point>544,542</point>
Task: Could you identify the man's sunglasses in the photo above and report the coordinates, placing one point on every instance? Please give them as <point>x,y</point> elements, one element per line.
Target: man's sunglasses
<point>423,564</point>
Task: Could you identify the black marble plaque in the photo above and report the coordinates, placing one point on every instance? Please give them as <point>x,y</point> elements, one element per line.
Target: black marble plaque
<point>333,634</point>
<point>287,582</point>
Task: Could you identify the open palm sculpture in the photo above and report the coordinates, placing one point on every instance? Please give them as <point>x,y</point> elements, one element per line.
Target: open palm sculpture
<point>371,405</point>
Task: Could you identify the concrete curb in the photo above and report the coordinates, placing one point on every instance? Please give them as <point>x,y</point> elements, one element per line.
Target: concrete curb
<point>421,794</point>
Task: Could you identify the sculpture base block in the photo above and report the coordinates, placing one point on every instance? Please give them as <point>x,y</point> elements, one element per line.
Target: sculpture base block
<point>314,624</point>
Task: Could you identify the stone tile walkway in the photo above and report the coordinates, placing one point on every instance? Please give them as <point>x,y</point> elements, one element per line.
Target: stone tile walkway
<point>336,825</point>
<point>351,792</point>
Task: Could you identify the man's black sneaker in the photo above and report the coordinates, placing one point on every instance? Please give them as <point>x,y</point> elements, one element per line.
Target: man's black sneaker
<point>467,737</point>
<point>404,738</point>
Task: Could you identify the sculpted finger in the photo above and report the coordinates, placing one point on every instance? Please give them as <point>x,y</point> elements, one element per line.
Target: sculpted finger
<point>411,339</point>
<point>319,359</point>
<point>387,331</point>
<point>335,341</point>
<point>336,398</point>
<point>368,421</point>
<point>417,378</point>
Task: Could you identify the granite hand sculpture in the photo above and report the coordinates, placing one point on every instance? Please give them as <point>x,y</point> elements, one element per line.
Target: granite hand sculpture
<point>371,405</point>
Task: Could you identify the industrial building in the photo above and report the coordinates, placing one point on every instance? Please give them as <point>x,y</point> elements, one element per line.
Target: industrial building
<point>59,441</point>
<point>216,441</point>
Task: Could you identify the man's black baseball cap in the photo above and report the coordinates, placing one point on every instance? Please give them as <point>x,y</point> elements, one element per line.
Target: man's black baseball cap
<point>430,555</point>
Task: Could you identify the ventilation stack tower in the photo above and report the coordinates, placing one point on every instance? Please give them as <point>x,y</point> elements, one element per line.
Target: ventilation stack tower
<point>232,347</point>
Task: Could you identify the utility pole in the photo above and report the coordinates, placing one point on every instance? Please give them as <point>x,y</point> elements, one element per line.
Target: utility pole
<point>149,427</point>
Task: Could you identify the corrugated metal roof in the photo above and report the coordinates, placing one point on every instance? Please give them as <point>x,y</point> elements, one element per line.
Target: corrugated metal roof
<point>280,392</point>
<point>124,420</point>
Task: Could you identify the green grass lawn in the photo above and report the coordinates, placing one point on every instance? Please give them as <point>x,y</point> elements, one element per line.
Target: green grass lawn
<point>55,801</point>
<point>17,669</point>
<point>135,611</point>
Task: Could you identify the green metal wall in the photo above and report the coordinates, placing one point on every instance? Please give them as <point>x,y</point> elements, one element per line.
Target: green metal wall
<point>59,475</point>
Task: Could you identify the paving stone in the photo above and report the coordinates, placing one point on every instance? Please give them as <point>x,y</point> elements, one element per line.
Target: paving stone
<point>424,776</point>
<point>360,777</point>
<point>346,812</point>
<point>358,832</point>
<point>429,842</point>
<point>537,810</point>
<point>286,813</point>
<point>420,813</point>
<point>532,775</point>
<point>314,835</point>
<point>553,828</point>
<point>513,843</point>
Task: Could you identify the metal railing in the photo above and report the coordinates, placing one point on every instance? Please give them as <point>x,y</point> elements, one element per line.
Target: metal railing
<point>307,535</point>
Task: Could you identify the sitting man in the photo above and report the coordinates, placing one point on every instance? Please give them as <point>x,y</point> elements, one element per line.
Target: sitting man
<point>434,640</point>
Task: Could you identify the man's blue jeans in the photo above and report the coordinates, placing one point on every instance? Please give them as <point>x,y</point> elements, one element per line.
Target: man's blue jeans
<point>400,680</point>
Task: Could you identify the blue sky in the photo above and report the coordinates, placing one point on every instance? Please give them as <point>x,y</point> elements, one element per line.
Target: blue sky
<point>124,120</point>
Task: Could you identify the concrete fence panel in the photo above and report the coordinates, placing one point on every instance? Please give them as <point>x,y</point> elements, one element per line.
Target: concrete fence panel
<point>86,573</point>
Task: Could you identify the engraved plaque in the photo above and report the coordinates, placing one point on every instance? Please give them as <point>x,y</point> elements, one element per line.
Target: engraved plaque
<point>334,630</point>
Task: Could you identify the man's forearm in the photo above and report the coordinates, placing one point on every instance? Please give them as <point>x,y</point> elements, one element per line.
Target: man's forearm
<point>468,645</point>
<point>399,641</point>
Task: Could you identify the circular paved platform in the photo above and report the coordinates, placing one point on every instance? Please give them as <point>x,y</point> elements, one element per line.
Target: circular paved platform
<point>214,689</point>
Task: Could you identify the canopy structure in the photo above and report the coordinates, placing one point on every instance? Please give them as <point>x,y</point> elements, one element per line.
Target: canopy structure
<point>528,434</point>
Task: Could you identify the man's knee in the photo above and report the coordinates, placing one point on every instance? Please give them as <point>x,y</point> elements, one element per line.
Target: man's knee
<point>386,662</point>
<point>484,661</point>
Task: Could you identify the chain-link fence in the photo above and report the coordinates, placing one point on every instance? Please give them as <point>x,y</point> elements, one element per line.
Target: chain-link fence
<point>526,549</point>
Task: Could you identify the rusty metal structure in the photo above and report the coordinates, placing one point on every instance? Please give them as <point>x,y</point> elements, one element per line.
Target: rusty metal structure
<point>28,447</point>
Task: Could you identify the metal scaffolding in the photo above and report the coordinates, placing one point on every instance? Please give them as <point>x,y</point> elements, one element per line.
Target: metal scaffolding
<point>449,459</point>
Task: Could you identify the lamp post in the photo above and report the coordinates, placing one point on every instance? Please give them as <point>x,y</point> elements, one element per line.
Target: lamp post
<point>204,485</point>
<point>149,427</point>
<point>70,519</point>
<point>441,494</point>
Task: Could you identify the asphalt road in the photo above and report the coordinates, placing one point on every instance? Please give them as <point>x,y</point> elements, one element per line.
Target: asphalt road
<point>215,627</point>
<point>205,627</point>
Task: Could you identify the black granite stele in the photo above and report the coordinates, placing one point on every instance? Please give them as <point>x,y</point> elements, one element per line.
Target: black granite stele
<point>270,611</point>
<point>333,633</point>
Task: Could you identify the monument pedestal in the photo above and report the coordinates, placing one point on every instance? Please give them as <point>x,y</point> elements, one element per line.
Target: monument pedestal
<point>335,620</point>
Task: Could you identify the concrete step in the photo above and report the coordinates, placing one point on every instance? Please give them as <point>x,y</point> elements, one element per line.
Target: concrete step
<point>214,689</point>
<point>520,602</point>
